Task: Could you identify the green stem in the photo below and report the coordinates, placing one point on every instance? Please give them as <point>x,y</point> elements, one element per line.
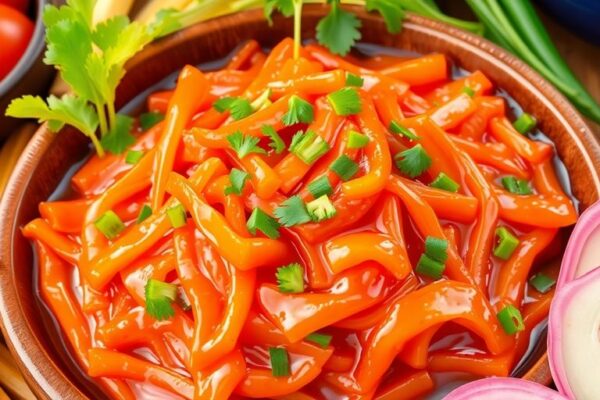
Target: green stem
<point>97,144</point>
<point>425,9</point>
<point>101,118</point>
<point>297,28</point>
<point>112,115</point>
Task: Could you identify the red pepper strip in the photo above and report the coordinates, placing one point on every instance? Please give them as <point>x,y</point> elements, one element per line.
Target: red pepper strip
<point>99,174</point>
<point>416,352</point>
<point>298,315</point>
<point>159,101</point>
<point>192,87</point>
<point>532,151</point>
<point>240,251</point>
<point>416,385</point>
<point>496,155</point>
<point>477,82</point>
<point>108,363</point>
<point>474,127</point>
<point>339,363</point>
<point>316,84</point>
<point>136,275</point>
<point>543,211</point>
<point>512,278</point>
<point>439,302</point>
<point>220,380</point>
<point>38,229</point>
<point>420,71</point>
<point>428,225</point>
<point>446,205</point>
<point>379,164</point>
<point>141,237</point>
<point>475,364</point>
<point>345,252</point>
<point>232,204</point>
<point>306,363</point>
<point>327,124</point>
<point>198,290</point>
<point>452,113</point>
<point>370,317</point>
<point>65,216</point>
<point>250,126</point>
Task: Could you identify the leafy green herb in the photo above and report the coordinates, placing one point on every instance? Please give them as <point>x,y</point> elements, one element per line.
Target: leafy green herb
<point>239,108</point>
<point>260,220</point>
<point>292,212</point>
<point>144,214</point>
<point>244,145</point>
<point>119,138</point>
<point>149,119</point>
<point>238,179</point>
<point>277,143</point>
<point>290,279</point>
<point>285,7</point>
<point>391,11</point>
<point>300,111</point>
<point>413,162</point>
<point>345,101</point>
<point>159,299</point>
<point>339,30</point>
<point>223,104</point>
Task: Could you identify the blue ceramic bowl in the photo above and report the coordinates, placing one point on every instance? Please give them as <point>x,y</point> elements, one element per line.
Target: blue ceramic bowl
<point>580,16</point>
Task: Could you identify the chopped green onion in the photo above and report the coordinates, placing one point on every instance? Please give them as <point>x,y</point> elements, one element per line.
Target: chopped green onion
<point>319,338</point>
<point>413,162</point>
<point>277,143</point>
<point>149,119</point>
<point>300,111</point>
<point>280,363</point>
<point>354,80</point>
<point>516,186</point>
<point>292,212</point>
<point>525,123</point>
<point>444,182</point>
<point>110,225</point>
<point>177,216</point>
<point>511,320</point>
<point>429,267</point>
<point>542,282</point>
<point>309,147</point>
<point>345,101</point>
<point>223,104</point>
<point>357,140</point>
<point>238,179</point>
<point>470,92</point>
<point>436,249</point>
<point>344,167</point>
<point>264,223</point>
<point>159,298</point>
<point>398,129</point>
<point>145,212</point>
<point>507,243</point>
<point>290,278</point>
<point>321,209</point>
<point>320,187</point>
<point>133,156</point>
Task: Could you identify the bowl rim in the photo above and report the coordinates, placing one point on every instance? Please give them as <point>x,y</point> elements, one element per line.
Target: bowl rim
<point>32,53</point>
<point>50,382</point>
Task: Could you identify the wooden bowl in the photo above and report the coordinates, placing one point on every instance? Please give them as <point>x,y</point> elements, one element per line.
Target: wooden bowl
<point>48,157</point>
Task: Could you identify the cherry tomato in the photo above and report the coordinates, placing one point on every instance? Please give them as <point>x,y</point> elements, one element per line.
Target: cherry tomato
<point>15,33</point>
<point>21,5</point>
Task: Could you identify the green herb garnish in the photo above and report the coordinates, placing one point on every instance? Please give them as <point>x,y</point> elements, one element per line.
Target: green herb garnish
<point>413,162</point>
<point>290,278</point>
<point>159,299</point>
<point>244,145</point>
<point>292,212</point>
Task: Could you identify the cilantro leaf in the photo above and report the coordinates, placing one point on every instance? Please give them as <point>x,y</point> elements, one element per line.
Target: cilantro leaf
<point>238,179</point>
<point>244,145</point>
<point>299,110</point>
<point>391,11</point>
<point>292,212</point>
<point>119,138</point>
<point>223,104</point>
<point>286,7</point>
<point>413,162</point>
<point>238,107</point>
<point>290,278</point>
<point>339,30</point>
<point>149,119</point>
<point>277,143</point>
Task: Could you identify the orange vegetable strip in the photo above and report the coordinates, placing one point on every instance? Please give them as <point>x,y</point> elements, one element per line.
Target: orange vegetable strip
<point>232,204</point>
<point>388,109</point>
<point>318,274</point>
<point>420,71</point>
<point>198,290</point>
<point>379,164</point>
<point>220,380</point>
<point>452,113</point>
<point>475,126</point>
<point>136,275</point>
<point>546,211</point>
<point>339,363</point>
<point>282,52</point>
<point>344,252</point>
<point>316,84</point>
<point>299,314</point>
<point>250,126</point>
<point>159,101</point>
<point>194,152</point>
<point>428,225</point>
<point>38,229</point>
<point>414,103</point>
<point>390,220</point>
<point>65,216</point>
<point>533,314</point>
<point>439,302</point>
<point>141,237</point>
<point>243,55</point>
<point>530,150</point>
<point>512,278</point>
<point>475,364</point>
<point>496,155</point>
<point>304,367</point>
<point>240,251</point>
<point>108,363</point>
<point>265,179</point>
<point>413,386</point>
<point>545,180</point>
<point>477,82</point>
<point>447,205</point>
<point>416,352</point>
<point>293,69</point>
<point>259,330</point>
<point>192,88</point>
